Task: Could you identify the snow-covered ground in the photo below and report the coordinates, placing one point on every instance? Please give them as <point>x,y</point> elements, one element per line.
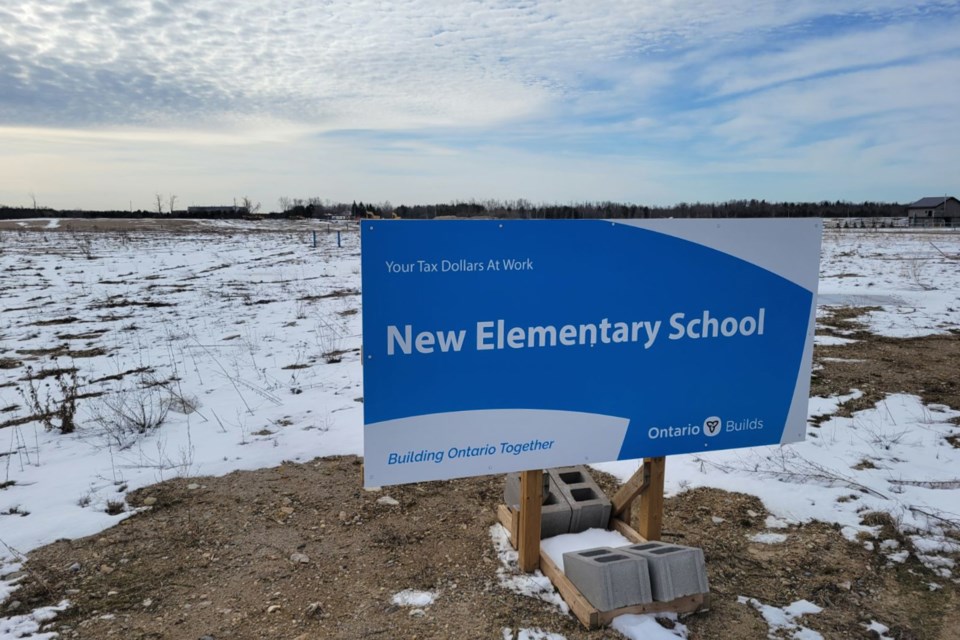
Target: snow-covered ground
<point>913,276</point>
<point>246,339</point>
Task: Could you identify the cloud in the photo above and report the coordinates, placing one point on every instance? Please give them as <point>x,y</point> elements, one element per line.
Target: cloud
<point>801,59</point>
<point>344,63</point>
<point>738,87</point>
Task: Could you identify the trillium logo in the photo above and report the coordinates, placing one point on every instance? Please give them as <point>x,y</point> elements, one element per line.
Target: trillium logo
<point>712,426</point>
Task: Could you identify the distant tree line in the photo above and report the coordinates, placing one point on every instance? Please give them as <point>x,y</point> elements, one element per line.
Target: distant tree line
<point>613,210</point>
<point>325,209</point>
<point>11,213</point>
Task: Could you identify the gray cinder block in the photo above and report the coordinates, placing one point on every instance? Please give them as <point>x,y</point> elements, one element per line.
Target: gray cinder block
<point>608,578</point>
<point>555,511</point>
<point>590,507</point>
<point>511,489</point>
<point>675,570</point>
<point>555,514</point>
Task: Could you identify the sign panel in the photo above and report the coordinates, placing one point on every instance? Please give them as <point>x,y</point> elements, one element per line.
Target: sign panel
<point>497,346</point>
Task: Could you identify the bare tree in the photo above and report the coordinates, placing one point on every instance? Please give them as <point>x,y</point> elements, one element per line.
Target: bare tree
<point>159,199</point>
<point>249,205</point>
<point>284,203</point>
<point>173,202</point>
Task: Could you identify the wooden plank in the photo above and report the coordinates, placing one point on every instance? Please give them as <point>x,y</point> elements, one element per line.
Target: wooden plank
<point>508,518</point>
<point>633,487</point>
<point>531,501</point>
<point>651,502</point>
<point>686,604</point>
<point>580,606</point>
<point>626,531</point>
<point>585,612</point>
<point>505,517</point>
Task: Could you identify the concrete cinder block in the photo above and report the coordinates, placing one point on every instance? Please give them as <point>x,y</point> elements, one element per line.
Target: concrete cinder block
<point>609,578</point>
<point>675,570</point>
<point>589,506</point>
<point>511,489</point>
<point>555,511</point>
<point>555,514</point>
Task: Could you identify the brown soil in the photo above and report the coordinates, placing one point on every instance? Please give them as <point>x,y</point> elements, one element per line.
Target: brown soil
<point>926,367</point>
<point>215,561</point>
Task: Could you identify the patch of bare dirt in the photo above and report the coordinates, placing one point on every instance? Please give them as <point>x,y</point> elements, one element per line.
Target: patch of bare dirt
<point>43,374</point>
<point>220,561</point>
<point>118,302</point>
<point>67,320</point>
<point>301,551</point>
<point>926,366</point>
<point>63,351</point>
<point>339,293</point>
<point>88,335</point>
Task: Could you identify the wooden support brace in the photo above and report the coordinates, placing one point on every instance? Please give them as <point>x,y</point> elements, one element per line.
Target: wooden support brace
<point>624,529</point>
<point>510,520</point>
<point>585,612</point>
<point>630,489</point>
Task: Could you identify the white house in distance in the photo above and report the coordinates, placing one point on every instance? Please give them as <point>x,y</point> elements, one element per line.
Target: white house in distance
<point>935,211</point>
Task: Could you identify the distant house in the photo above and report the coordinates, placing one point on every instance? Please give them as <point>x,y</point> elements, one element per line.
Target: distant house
<point>935,211</point>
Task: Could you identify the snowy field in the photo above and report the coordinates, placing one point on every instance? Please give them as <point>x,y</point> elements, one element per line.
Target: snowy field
<point>242,342</point>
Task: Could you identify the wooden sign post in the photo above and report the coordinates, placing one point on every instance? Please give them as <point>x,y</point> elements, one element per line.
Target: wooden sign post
<point>531,500</point>
<point>651,500</point>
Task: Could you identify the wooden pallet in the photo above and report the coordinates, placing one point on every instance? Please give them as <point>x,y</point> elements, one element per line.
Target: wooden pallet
<point>649,479</point>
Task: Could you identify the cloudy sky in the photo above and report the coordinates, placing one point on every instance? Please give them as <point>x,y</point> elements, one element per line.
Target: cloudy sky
<point>105,103</point>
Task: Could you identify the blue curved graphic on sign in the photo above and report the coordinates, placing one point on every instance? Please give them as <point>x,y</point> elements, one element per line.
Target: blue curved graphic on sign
<point>696,348</point>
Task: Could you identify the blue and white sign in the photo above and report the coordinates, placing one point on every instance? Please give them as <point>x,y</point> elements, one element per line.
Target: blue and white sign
<point>497,346</point>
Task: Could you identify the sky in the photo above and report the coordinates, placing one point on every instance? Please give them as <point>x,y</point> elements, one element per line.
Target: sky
<point>106,104</point>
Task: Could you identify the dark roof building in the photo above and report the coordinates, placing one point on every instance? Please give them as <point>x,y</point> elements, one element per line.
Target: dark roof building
<point>934,211</point>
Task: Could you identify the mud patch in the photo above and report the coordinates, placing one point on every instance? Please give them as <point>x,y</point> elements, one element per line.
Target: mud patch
<point>64,351</point>
<point>88,335</point>
<point>44,323</point>
<point>340,293</point>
